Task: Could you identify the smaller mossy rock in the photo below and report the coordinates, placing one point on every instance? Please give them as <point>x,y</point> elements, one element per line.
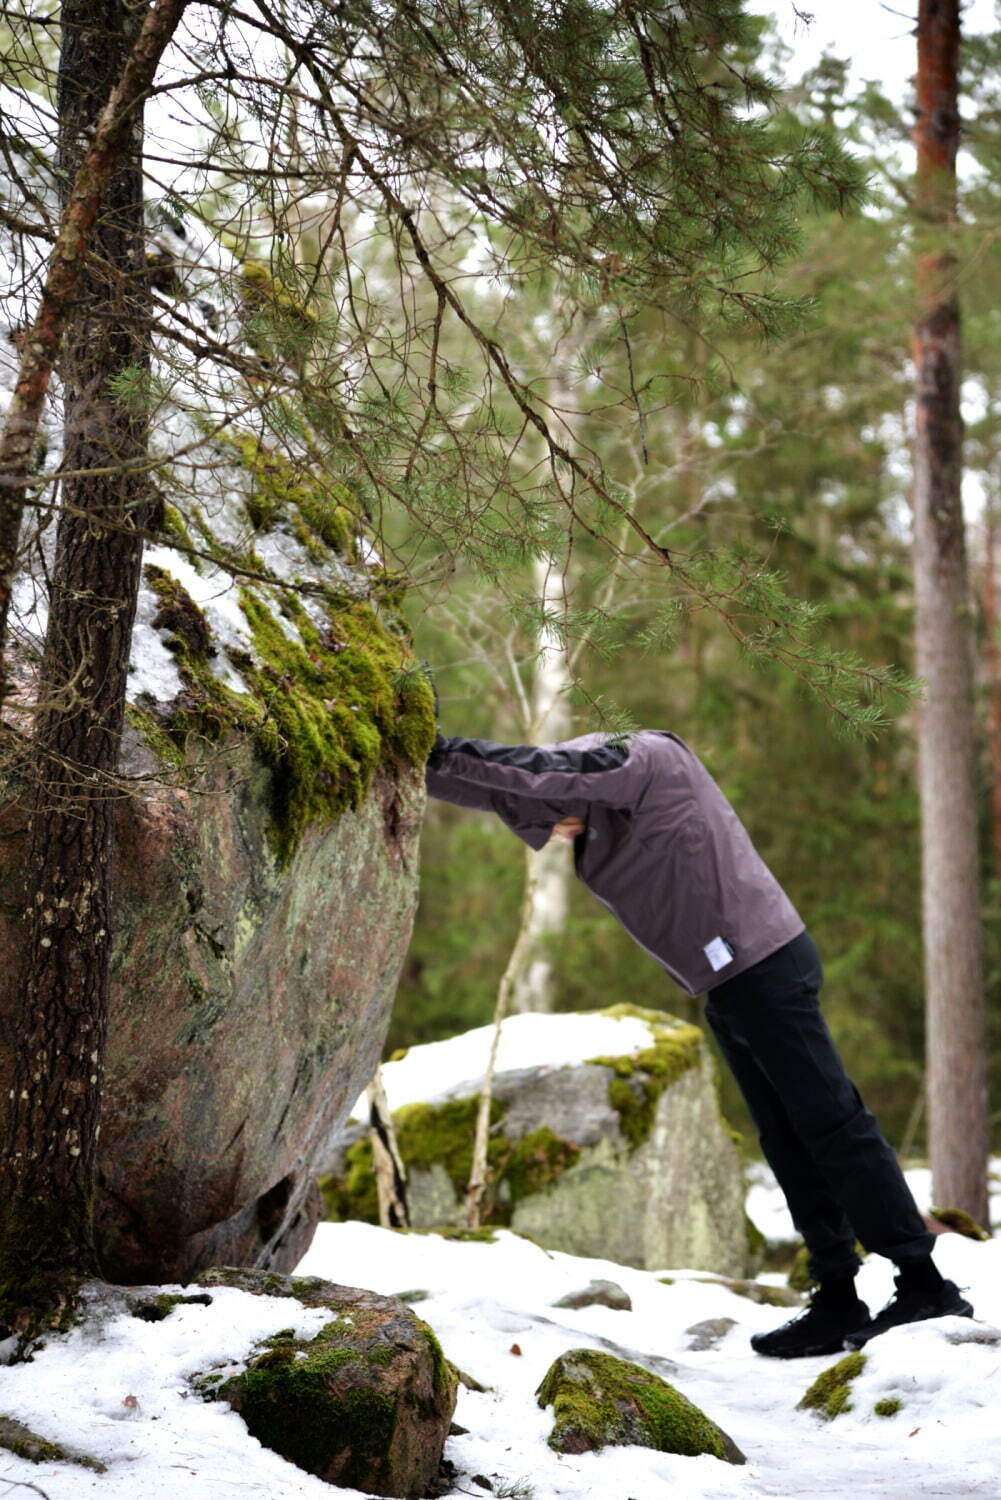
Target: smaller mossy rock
<point>598,1294</point>
<point>366,1404</point>
<point>708,1334</point>
<point>830,1393</point>
<point>625,1157</point>
<point>599,1401</point>
<point>960,1222</point>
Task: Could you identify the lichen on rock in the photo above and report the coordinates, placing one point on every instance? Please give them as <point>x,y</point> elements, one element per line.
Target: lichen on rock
<point>599,1401</point>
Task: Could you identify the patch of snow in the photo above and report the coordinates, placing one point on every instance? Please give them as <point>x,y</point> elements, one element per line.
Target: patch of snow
<point>527,1041</point>
<point>118,1390</point>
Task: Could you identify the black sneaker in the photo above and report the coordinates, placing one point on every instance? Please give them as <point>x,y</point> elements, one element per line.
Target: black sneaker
<point>912,1305</point>
<point>821,1329</point>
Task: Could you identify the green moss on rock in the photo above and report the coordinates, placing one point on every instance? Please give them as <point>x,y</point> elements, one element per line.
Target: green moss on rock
<point>830,1392</point>
<point>535,1161</point>
<point>333,696</point>
<point>960,1222</point>
<point>888,1407</point>
<point>441,1135</point>
<point>284,1397</point>
<point>283,490</point>
<point>640,1078</point>
<point>600,1401</point>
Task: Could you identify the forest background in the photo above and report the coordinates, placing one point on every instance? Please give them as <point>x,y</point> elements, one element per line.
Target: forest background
<point>795,452</point>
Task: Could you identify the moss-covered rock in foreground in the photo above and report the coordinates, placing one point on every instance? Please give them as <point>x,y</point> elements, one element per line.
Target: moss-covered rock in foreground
<point>366,1404</point>
<point>599,1401</point>
<point>830,1393</point>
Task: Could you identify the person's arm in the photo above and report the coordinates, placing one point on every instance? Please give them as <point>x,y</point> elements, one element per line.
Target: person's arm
<point>609,773</point>
<point>448,788</point>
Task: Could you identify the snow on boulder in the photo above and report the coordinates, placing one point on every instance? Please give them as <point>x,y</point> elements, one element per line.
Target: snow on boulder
<point>606,1140</point>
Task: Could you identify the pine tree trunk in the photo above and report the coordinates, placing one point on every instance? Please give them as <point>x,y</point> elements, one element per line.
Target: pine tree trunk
<point>50,1158</point>
<point>111,129</point>
<point>992,666</point>
<point>957,1090</point>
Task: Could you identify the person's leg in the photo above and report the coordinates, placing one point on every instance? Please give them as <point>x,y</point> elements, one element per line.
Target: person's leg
<point>835,1310</point>
<point>816,1213</point>
<point>772,1012</point>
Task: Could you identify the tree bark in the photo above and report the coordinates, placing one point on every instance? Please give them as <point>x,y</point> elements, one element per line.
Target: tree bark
<point>992,667</point>
<point>115,91</point>
<point>50,1153</point>
<point>957,1087</point>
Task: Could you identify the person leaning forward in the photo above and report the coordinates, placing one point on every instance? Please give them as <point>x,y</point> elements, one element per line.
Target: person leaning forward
<point>656,841</point>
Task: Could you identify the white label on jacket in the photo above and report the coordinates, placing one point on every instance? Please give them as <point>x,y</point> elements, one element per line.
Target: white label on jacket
<point>719,953</point>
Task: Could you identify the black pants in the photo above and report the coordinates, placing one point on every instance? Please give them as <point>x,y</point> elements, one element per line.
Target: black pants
<point>840,1177</point>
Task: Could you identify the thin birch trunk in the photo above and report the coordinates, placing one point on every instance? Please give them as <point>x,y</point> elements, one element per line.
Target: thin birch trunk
<point>390,1173</point>
<point>550,868</point>
<point>481,1139</point>
<point>956,1051</point>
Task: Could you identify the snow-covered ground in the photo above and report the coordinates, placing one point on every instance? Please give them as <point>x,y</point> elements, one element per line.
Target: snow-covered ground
<point>121,1394</point>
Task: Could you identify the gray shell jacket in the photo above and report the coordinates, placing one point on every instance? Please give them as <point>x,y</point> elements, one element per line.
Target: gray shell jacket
<point>662,849</point>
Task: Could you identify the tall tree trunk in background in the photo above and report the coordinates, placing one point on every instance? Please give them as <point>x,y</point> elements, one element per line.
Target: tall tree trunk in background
<point>552,867</point>
<point>992,668</point>
<point>957,1085</point>
<point>50,1151</point>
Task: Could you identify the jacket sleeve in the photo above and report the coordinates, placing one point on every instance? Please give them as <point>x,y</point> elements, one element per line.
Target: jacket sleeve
<point>560,774</point>
<point>449,788</point>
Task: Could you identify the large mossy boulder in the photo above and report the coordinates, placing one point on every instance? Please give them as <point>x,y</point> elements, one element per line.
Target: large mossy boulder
<point>599,1401</point>
<point>265,874</point>
<point>624,1157</point>
<point>366,1404</point>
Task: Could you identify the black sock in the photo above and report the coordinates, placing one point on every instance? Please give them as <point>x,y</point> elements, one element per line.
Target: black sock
<point>920,1275</point>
